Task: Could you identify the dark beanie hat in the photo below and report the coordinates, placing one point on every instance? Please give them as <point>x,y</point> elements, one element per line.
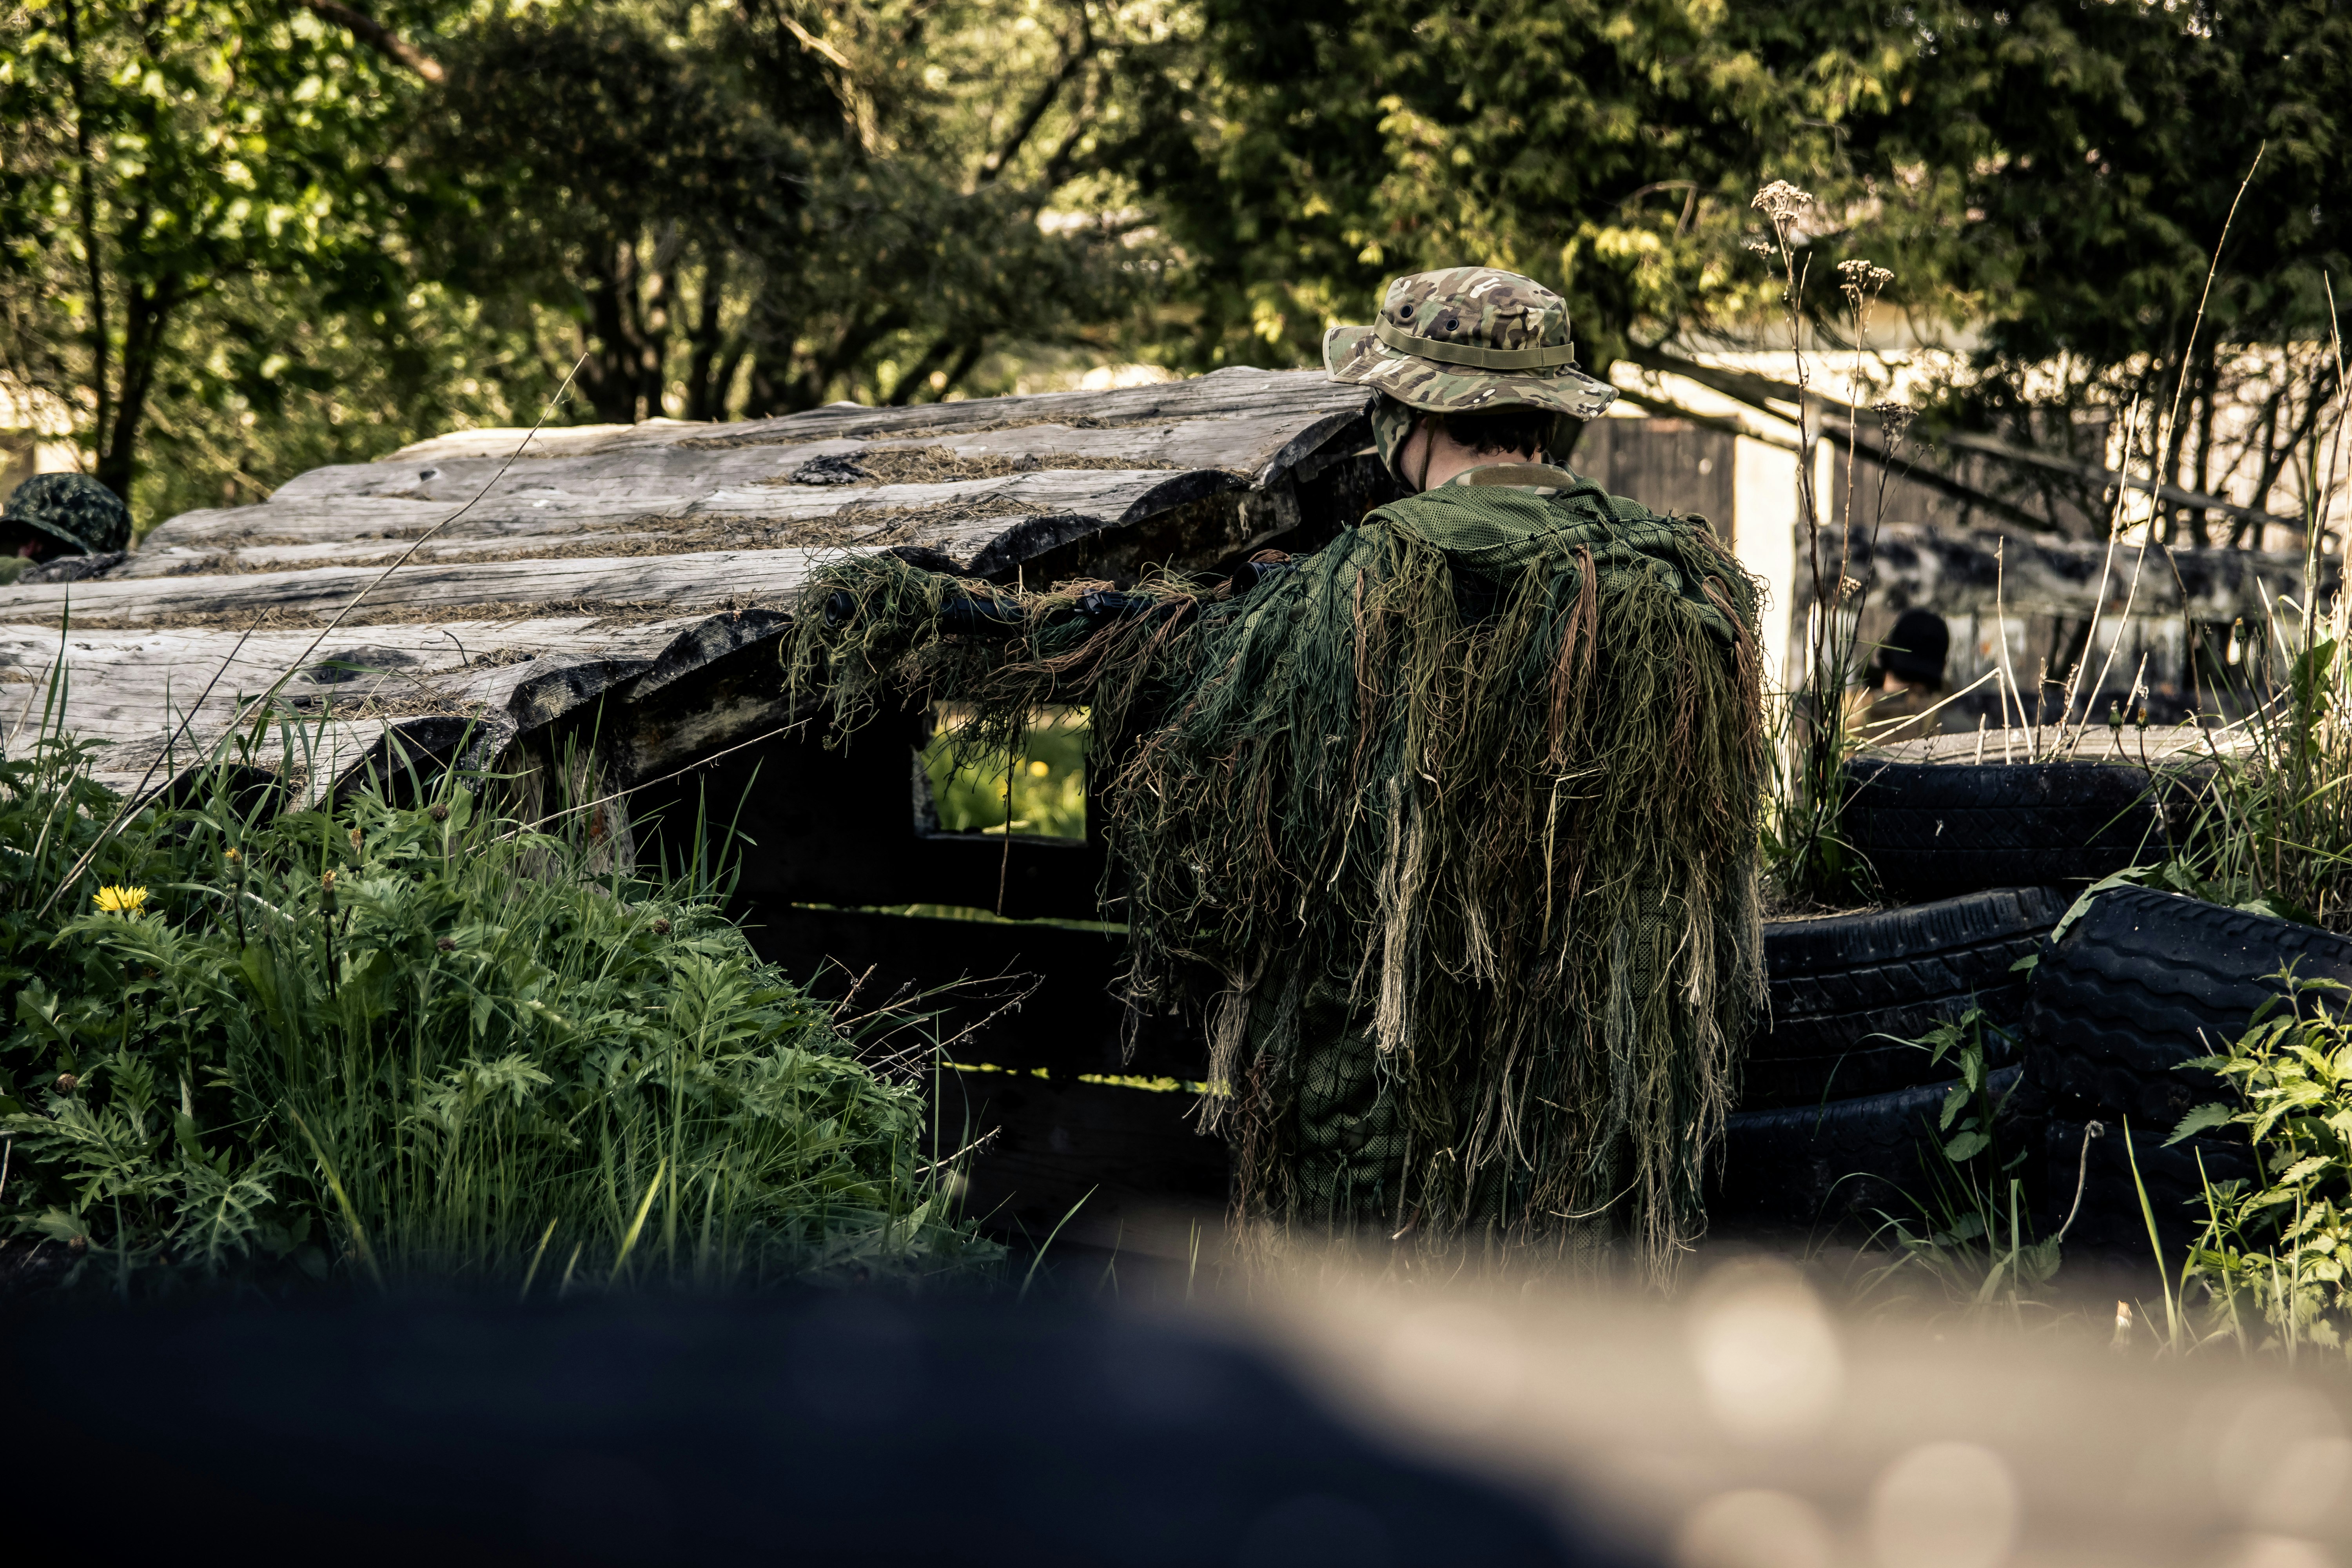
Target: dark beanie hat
<point>1915,649</point>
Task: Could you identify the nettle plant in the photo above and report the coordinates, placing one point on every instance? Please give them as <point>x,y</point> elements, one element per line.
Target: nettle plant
<point>2278,1251</point>
<point>385,1042</point>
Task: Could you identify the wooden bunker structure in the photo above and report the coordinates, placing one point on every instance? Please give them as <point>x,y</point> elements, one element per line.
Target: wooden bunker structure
<point>598,611</point>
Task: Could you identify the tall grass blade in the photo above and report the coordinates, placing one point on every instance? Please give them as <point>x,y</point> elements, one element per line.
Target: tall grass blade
<point>359,1247</point>
<point>2155,1244</point>
<point>531,1273</point>
<point>638,1226</point>
<point>1026,1280</point>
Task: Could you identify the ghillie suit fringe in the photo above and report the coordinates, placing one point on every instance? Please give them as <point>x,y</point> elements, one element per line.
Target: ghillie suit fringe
<point>1464,809</point>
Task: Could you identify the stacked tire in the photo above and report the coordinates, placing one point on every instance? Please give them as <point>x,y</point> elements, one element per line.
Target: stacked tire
<point>2142,982</point>
<point>1932,830</point>
<point>1836,1105</point>
<point>1834,1120</point>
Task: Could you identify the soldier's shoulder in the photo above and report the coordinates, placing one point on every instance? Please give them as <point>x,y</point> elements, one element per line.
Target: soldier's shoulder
<point>74,568</point>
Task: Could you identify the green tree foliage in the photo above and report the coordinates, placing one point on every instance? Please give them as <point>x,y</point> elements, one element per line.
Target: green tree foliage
<point>1302,154</point>
<point>2049,179</point>
<point>247,235</point>
<point>589,165</point>
<point>161,155</point>
<point>739,210</point>
<point>317,230</point>
<point>2076,165</point>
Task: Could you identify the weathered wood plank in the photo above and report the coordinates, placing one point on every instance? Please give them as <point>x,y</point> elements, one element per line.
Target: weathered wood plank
<point>966,519</point>
<point>553,580</point>
<point>133,686</point>
<point>675,584</point>
<point>1236,394</point>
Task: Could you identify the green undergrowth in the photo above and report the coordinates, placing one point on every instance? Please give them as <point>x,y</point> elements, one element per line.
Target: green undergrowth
<point>2271,825</point>
<point>384,1045</point>
<point>1968,1240</point>
<point>2273,1265</point>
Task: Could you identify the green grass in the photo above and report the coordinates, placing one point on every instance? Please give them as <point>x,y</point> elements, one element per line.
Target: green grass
<point>1048,780</point>
<point>1968,1241</point>
<point>383,1044</point>
<point>2270,825</point>
<point>2275,1257</point>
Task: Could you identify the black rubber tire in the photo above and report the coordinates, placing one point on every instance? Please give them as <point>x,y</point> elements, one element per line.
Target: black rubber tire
<point>2145,980</point>
<point>1932,830</point>
<point>2109,1224</point>
<point>1842,1164</point>
<point>1839,979</point>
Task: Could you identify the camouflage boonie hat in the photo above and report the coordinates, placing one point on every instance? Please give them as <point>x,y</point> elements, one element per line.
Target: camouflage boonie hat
<point>73,508</point>
<point>1466,340</point>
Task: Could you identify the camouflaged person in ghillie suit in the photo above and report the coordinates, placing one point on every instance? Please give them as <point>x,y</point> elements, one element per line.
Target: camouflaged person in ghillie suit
<point>62,528</point>
<point>1463,807</point>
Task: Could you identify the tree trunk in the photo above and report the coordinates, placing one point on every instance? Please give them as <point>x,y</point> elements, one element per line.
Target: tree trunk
<point>609,377</point>
<point>2175,439</point>
<point>707,373</point>
<point>86,202</point>
<point>911,381</point>
<point>2208,375</point>
<point>148,319</point>
<point>962,366</point>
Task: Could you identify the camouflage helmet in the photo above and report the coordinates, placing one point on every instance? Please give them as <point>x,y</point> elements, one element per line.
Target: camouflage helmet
<point>72,509</point>
<point>1467,339</point>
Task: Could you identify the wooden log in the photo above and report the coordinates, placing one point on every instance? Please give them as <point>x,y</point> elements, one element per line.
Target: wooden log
<point>141,686</point>
<point>1234,396</point>
<point>647,588</point>
<point>992,524</point>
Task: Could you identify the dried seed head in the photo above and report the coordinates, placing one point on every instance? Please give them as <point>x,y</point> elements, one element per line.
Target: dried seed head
<point>1867,275</point>
<point>327,882</point>
<point>1893,417</point>
<point>438,811</point>
<point>355,837</point>
<point>77,1246</point>
<point>68,1083</point>
<point>1848,588</point>
<point>2140,720</point>
<point>661,927</point>
<point>445,943</point>
<point>1781,200</point>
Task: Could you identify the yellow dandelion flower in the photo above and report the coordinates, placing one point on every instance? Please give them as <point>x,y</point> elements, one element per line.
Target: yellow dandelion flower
<point>123,901</point>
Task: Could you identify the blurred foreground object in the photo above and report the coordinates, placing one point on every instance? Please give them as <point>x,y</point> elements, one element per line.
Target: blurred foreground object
<point>829,1430</point>
<point>1748,1427</point>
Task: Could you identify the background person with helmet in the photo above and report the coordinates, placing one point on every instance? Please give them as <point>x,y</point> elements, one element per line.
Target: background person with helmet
<point>1462,809</point>
<point>62,528</point>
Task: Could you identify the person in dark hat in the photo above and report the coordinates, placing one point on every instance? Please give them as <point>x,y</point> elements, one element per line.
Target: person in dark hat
<point>1906,682</point>
<point>62,528</point>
